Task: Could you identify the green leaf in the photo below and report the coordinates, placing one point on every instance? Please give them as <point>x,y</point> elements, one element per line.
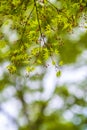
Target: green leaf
<point>53,62</point>
<point>60,63</point>
<point>39,61</point>
<point>12,69</point>
<point>30,69</point>
<point>58,73</point>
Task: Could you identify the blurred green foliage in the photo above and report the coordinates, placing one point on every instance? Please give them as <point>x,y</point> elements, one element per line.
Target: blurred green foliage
<point>43,31</point>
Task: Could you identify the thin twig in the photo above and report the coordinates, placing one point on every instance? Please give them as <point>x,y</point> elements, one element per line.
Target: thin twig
<point>53,5</point>
<point>26,25</point>
<point>58,10</point>
<point>38,18</point>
